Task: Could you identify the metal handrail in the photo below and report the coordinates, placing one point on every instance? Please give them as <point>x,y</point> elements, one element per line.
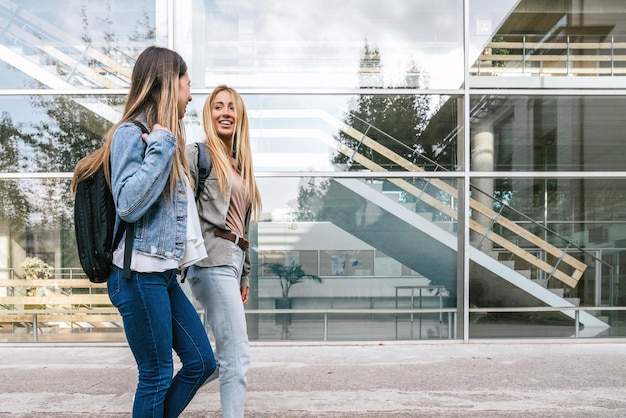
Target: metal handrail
<point>535,51</point>
<point>553,233</point>
<point>567,243</point>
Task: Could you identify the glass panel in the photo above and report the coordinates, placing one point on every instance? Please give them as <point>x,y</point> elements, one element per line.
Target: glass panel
<point>358,133</point>
<point>37,218</point>
<point>543,44</point>
<point>92,46</point>
<point>550,243</point>
<point>51,133</point>
<point>329,44</point>
<point>354,244</point>
<point>346,244</point>
<point>547,133</point>
<point>293,133</point>
<point>41,276</point>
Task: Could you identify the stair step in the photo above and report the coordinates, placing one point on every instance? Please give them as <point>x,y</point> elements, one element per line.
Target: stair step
<point>573,301</point>
<point>378,186</point>
<point>446,226</point>
<point>558,291</point>
<point>408,205</point>
<point>426,215</point>
<point>509,263</point>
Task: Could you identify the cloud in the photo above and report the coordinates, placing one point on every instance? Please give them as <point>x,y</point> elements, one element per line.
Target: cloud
<point>328,34</point>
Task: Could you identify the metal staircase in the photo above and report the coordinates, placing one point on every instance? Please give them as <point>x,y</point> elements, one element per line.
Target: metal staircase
<point>431,250</point>
<point>429,247</point>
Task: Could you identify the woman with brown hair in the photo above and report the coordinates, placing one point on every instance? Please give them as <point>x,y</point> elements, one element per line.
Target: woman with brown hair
<point>149,181</point>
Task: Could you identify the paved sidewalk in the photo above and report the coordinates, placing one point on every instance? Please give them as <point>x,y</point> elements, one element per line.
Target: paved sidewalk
<point>495,379</point>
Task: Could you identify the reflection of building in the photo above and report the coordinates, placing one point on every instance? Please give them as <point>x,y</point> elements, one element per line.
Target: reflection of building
<point>500,185</point>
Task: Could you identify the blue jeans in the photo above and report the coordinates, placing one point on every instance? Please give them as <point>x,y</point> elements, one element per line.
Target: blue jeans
<point>217,289</point>
<point>158,317</point>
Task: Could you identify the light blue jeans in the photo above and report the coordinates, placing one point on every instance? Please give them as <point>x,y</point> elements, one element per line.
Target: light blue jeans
<point>158,317</point>
<point>217,289</point>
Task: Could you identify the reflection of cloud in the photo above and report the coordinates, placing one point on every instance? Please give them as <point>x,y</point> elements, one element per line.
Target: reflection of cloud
<point>328,37</point>
<point>124,16</point>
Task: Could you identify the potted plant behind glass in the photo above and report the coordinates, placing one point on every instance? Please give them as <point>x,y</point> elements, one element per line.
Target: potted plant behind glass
<point>288,275</point>
<point>35,268</point>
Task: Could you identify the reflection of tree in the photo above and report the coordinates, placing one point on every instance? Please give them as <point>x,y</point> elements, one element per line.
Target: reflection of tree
<point>84,22</point>
<point>69,132</point>
<point>392,120</point>
<point>15,206</point>
<point>311,193</point>
<point>110,38</point>
<point>39,213</point>
<point>144,32</point>
<point>499,51</point>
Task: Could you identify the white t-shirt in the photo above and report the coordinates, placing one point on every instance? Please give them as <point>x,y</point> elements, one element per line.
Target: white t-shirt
<point>194,248</point>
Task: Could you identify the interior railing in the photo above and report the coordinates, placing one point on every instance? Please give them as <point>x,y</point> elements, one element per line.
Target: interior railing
<point>556,55</point>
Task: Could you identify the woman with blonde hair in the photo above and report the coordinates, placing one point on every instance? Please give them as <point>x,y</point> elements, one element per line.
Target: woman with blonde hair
<point>227,202</point>
<point>149,181</point>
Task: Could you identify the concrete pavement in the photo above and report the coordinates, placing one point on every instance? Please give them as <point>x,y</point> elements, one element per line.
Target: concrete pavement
<point>422,379</point>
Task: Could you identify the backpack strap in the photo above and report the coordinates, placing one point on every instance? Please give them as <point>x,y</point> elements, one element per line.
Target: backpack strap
<point>204,166</point>
<point>128,245</point>
<point>128,249</point>
<point>141,126</point>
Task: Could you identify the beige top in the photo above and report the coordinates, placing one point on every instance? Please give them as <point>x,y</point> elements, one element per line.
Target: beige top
<point>239,203</point>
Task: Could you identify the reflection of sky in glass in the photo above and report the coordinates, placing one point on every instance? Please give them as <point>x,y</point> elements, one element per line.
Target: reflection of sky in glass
<point>295,43</point>
<point>123,15</point>
<point>74,43</point>
<point>10,78</point>
<point>326,37</point>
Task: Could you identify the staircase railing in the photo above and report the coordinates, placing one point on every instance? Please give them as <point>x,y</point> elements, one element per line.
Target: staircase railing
<point>77,62</point>
<point>566,268</point>
<point>575,55</point>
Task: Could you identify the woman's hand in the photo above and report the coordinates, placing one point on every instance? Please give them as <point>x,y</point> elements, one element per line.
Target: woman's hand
<point>245,294</point>
<point>156,126</point>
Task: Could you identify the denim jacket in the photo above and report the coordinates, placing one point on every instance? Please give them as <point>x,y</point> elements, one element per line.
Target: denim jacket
<point>139,173</point>
<point>212,209</point>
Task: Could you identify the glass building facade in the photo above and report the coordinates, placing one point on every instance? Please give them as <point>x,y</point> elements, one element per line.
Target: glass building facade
<point>443,169</point>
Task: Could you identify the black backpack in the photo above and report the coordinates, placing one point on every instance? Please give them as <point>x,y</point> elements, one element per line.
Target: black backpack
<point>94,224</point>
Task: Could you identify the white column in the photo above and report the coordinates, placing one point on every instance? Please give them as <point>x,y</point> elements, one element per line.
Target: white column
<point>482,159</point>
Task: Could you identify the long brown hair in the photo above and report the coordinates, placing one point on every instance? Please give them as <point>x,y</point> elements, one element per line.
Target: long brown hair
<point>153,94</point>
<point>239,147</point>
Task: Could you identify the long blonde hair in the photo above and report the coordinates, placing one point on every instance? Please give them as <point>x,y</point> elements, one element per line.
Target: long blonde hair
<point>239,147</point>
<point>153,93</point>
